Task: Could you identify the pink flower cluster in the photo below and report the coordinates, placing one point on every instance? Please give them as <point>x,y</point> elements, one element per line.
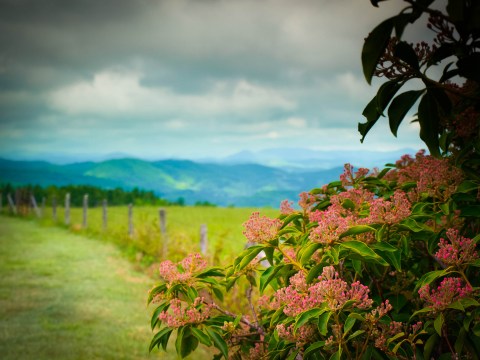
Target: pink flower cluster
<point>434,177</point>
<point>261,229</point>
<point>171,272</point>
<point>349,178</point>
<point>286,207</point>
<point>303,335</point>
<point>390,211</point>
<point>180,314</point>
<point>330,290</point>
<point>306,201</point>
<point>457,251</point>
<point>330,226</point>
<point>450,290</point>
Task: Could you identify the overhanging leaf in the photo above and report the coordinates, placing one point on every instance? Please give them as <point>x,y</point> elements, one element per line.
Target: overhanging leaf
<point>374,47</point>
<point>400,106</point>
<point>428,117</point>
<point>405,52</point>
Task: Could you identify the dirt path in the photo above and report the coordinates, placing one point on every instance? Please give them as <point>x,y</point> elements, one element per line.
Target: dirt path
<point>64,296</point>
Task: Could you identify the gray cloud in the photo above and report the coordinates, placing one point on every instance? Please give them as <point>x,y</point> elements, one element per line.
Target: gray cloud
<point>241,73</point>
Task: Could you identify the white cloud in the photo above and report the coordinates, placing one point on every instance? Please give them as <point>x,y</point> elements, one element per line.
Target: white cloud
<point>116,92</point>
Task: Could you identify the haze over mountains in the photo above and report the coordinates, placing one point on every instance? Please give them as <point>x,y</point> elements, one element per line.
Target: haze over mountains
<point>245,179</point>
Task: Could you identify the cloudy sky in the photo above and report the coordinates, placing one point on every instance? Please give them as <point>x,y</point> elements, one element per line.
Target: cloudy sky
<point>185,78</point>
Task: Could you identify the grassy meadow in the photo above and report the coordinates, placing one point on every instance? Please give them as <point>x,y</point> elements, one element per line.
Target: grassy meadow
<point>67,296</point>
<point>147,244</point>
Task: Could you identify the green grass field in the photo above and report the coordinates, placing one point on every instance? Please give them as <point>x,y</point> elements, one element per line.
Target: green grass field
<point>224,228</point>
<point>66,296</point>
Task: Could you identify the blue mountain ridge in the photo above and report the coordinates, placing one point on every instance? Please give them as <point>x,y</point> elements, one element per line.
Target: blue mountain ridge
<point>222,184</point>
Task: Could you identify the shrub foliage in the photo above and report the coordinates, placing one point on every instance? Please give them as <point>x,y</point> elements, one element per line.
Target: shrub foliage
<point>381,264</point>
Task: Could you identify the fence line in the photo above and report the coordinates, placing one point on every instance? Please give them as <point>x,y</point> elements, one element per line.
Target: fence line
<point>40,211</point>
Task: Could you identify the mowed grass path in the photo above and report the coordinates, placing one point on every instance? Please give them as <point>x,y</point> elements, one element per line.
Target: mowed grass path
<point>64,296</point>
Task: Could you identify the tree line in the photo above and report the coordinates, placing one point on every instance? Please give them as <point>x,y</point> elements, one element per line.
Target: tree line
<point>96,195</point>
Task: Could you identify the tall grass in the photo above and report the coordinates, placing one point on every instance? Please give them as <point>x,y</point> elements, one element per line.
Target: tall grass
<point>148,244</point>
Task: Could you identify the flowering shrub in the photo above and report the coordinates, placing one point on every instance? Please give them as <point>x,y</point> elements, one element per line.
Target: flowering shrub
<point>380,264</point>
<point>358,271</point>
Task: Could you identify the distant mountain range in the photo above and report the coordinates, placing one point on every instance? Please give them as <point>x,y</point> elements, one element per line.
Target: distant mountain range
<point>221,184</point>
<point>263,178</point>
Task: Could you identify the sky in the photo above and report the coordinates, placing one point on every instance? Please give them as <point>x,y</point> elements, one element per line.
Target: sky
<point>153,79</point>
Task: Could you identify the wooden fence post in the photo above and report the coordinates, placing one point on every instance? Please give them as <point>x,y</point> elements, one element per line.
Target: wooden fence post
<point>12,204</point>
<point>130,219</point>
<point>1,202</point>
<point>54,208</point>
<point>67,209</point>
<point>18,200</point>
<point>104,214</point>
<point>42,210</point>
<point>85,209</point>
<point>34,204</point>
<point>163,230</point>
<point>203,239</point>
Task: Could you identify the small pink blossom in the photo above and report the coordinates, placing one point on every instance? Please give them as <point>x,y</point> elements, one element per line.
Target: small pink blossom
<point>450,290</point>
<point>306,201</point>
<point>390,211</point>
<point>261,229</point>
<point>180,313</point>
<point>171,272</point>
<point>303,335</point>
<point>286,207</point>
<point>457,251</point>
<point>330,226</point>
<point>348,178</point>
<point>330,290</point>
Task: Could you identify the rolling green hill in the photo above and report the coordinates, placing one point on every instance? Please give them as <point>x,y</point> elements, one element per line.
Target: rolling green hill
<point>239,185</point>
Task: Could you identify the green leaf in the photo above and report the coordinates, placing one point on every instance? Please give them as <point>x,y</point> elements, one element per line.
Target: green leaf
<point>250,254</point>
<point>405,52</point>
<point>290,218</point>
<point>470,211</point>
<point>178,341</point>
<point>189,344</point>
<point>467,186</point>
<point>216,272</point>
<point>438,324</point>
<point>400,106</point>
<point>374,47</point>
<point>348,325</point>
<point>323,322</point>
<point>430,345</point>
<point>269,254</point>
<point>384,246</point>
<point>154,320</point>
<point>220,344</point>
<point>337,355</point>
<point>201,336</point>
<point>309,251</point>
<point>313,348</point>
<point>306,316</point>
<point>377,105</point>
<point>157,339</point>
<point>421,311</point>
<point>355,334</point>
<point>314,272</point>
<point>155,291</point>
<point>429,277</point>
<point>393,258</point>
<point>268,275</point>
<point>428,117</point>
<point>395,337</point>
<point>363,250</point>
<point>357,229</point>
